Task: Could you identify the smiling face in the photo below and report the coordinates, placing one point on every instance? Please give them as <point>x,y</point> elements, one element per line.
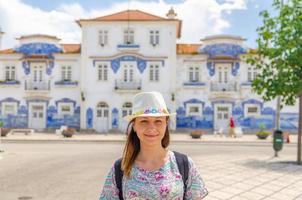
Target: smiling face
<point>150,130</point>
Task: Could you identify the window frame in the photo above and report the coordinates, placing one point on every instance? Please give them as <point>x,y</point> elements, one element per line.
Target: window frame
<point>103,37</point>
<point>66,72</point>
<point>195,71</point>
<point>191,105</point>
<point>246,108</point>
<point>154,37</point>
<point>251,73</point>
<point>10,72</point>
<point>102,71</point>
<point>15,108</point>
<point>128,36</point>
<point>63,113</point>
<point>154,68</point>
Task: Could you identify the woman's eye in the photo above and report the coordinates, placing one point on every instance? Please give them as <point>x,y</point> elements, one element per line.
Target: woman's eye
<point>143,121</point>
<point>158,122</point>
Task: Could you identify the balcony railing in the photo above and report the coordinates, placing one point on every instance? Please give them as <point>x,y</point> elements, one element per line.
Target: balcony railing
<point>224,87</point>
<point>32,85</point>
<point>9,82</point>
<point>66,83</point>
<point>128,85</point>
<point>128,47</point>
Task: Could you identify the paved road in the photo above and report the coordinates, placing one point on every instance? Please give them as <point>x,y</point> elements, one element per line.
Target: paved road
<point>76,171</point>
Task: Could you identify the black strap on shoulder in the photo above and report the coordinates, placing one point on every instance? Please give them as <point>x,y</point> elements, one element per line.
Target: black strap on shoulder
<point>182,164</point>
<point>119,177</point>
<point>183,167</point>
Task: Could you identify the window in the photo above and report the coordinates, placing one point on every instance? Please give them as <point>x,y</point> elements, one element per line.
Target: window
<point>66,73</point>
<point>65,109</point>
<point>103,72</point>
<point>193,109</point>
<point>252,110</point>
<point>102,110</point>
<point>128,36</point>
<point>154,72</point>
<point>10,73</point>
<point>154,37</point>
<point>9,108</point>
<point>127,109</point>
<point>251,74</point>
<point>194,74</point>
<point>103,37</point>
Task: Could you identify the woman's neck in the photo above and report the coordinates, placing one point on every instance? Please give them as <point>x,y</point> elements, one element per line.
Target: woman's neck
<point>152,154</point>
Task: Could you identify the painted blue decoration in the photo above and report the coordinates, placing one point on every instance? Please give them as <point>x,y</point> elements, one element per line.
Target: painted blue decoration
<point>181,111</point>
<point>26,68</point>
<point>10,99</point>
<point>222,102</point>
<point>22,110</point>
<point>235,68</point>
<point>66,83</point>
<point>66,100</point>
<point>211,68</point>
<point>268,111</point>
<point>223,50</point>
<point>51,65</point>
<point>77,110</point>
<point>52,110</point>
<point>7,82</point>
<point>115,118</point>
<point>38,48</point>
<point>194,84</point>
<point>237,111</point>
<point>115,63</point>
<point>132,46</point>
<point>193,101</point>
<point>89,118</point>
<point>252,101</point>
<point>208,111</point>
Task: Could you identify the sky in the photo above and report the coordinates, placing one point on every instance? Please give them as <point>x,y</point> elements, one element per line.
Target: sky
<point>200,18</point>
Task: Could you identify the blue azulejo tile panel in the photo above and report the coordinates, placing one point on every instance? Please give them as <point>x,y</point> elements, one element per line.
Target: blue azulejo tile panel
<point>89,118</point>
<point>289,121</point>
<point>115,118</point>
<point>193,122</point>
<point>56,121</point>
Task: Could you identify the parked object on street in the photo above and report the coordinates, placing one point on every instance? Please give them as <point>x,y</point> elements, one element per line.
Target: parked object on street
<point>277,141</point>
<point>25,131</point>
<point>69,132</point>
<point>196,134</point>
<point>60,131</point>
<point>286,137</point>
<point>4,132</point>
<point>262,134</point>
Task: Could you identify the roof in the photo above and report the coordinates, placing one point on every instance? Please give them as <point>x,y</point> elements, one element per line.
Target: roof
<point>188,48</point>
<point>37,35</point>
<point>132,15</point>
<point>223,36</point>
<point>71,48</point>
<point>67,49</point>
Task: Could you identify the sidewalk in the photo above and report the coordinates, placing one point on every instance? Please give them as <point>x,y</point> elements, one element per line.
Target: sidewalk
<point>117,137</point>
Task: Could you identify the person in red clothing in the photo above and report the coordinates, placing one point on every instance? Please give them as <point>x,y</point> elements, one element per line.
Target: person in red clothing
<point>232,128</point>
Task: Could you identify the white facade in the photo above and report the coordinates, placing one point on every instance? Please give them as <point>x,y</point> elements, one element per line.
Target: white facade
<point>45,84</point>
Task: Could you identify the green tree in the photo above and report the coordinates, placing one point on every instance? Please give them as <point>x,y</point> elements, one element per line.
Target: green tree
<point>279,57</point>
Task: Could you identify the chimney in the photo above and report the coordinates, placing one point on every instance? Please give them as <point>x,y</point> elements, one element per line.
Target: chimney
<point>171,14</point>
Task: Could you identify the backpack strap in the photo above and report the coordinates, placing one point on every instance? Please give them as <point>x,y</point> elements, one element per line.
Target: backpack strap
<point>183,167</point>
<point>119,177</point>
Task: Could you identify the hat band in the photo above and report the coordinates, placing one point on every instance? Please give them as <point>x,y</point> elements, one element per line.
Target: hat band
<point>152,111</point>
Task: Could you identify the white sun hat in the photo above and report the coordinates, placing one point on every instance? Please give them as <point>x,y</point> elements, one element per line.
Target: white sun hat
<point>148,104</point>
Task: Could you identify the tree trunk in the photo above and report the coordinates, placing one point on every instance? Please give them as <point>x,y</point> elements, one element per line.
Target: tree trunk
<point>299,129</point>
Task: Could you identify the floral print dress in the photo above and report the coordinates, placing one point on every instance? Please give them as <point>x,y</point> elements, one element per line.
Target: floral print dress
<point>165,183</point>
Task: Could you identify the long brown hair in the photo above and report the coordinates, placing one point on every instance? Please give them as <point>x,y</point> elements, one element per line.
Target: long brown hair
<point>132,147</point>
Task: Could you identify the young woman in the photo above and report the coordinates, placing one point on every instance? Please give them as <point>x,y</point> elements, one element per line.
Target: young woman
<point>149,169</point>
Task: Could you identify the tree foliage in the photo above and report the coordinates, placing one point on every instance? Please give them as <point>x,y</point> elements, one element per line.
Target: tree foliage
<point>279,54</point>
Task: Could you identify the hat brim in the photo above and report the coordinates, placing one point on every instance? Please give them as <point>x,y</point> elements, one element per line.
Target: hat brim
<point>131,117</point>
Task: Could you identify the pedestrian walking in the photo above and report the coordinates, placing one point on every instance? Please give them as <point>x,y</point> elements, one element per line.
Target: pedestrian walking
<point>148,169</point>
<point>232,128</point>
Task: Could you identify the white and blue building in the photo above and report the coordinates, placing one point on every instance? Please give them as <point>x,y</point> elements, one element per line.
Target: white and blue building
<point>45,84</point>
